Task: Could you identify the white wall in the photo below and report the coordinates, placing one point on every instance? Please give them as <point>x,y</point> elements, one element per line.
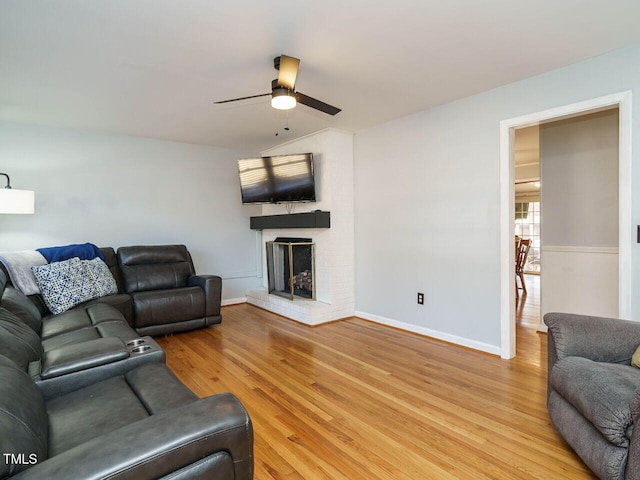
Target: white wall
<point>116,190</point>
<point>579,175</point>
<point>427,197</point>
<point>579,280</point>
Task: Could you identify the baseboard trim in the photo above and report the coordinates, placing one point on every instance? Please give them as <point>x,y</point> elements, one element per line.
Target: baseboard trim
<point>233,301</point>
<point>427,332</point>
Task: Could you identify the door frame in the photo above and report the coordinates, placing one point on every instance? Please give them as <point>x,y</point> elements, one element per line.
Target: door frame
<point>507,208</point>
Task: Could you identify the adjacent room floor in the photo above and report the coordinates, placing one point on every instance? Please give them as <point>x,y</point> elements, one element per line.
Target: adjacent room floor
<point>356,400</point>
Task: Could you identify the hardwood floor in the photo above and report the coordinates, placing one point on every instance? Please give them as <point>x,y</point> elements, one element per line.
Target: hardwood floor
<point>356,400</point>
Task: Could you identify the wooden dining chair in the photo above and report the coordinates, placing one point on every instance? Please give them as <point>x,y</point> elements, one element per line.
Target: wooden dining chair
<point>521,259</point>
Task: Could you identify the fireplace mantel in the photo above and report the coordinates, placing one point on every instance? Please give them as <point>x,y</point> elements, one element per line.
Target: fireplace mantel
<point>317,219</point>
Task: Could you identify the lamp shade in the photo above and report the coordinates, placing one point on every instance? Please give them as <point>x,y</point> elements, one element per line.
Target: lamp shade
<point>16,201</point>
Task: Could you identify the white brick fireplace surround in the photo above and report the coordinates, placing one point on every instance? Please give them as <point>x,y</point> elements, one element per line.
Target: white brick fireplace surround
<point>334,250</point>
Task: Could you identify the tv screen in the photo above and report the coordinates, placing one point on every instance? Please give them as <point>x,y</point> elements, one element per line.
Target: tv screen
<point>277,179</point>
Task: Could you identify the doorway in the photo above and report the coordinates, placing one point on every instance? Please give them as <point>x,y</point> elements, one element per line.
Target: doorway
<point>526,159</point>
<point>507,205</point>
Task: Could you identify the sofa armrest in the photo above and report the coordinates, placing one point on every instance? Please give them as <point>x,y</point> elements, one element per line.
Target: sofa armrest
<point>632,472</point>
<point>597,338</point>
<point>160,445</point>
<point>89,354</point>
<point>212,286</point>
<point>68,382</point>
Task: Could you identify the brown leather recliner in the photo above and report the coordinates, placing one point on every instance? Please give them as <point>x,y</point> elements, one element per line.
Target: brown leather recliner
<point>167,294</point>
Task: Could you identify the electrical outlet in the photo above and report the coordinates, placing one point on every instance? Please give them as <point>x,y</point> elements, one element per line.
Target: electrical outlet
<point>420,298</point>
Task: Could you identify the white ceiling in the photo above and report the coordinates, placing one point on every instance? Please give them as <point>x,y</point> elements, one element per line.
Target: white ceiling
<point>154,68</point>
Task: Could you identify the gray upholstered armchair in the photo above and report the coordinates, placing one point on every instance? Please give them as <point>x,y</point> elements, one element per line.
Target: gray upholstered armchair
<point>593,392</point>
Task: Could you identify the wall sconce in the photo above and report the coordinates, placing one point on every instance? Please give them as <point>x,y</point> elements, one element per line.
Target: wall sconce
<point>16,201</point>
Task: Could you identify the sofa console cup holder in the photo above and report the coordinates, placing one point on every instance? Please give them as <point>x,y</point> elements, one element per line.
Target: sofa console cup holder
<point>138,345</point>
<point>140,349</point>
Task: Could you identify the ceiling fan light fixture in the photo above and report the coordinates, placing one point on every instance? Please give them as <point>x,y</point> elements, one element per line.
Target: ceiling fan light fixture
<point>283,89</point>
<point>283,99</point>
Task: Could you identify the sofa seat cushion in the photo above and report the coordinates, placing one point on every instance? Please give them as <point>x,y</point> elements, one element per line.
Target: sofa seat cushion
<point>78,318</point>
<point>90,412</point>
<point>602,392</point>
<point>104,330</point>
<point>160,307</point>
<point>121,301</point>
<point>103,407</point>
<point>70,338</point>
<point>81,324</point>
<point>158,388</point>
<point>120,330</point>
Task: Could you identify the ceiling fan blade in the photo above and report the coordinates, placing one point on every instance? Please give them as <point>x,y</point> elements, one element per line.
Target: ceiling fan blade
<point>288,71</point>
<point>317,104</point>
<point>244,98</point>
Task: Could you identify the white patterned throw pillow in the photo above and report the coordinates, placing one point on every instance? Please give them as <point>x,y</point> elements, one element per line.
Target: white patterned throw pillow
<point>103,282</point>
<point>68,283</point>
<point>62,284</point>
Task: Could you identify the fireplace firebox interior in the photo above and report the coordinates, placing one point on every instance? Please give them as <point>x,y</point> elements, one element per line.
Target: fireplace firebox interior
<point>290,268</point>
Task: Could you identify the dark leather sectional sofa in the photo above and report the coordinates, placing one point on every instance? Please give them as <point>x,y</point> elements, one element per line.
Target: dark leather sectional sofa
<point>83,395</point>
<point>158,289</point>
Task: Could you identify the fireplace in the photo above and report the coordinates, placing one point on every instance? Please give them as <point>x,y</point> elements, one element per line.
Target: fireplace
<point>290,268</point>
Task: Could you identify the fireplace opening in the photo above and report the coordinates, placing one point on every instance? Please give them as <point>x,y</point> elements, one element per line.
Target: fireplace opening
<point>291,269</point>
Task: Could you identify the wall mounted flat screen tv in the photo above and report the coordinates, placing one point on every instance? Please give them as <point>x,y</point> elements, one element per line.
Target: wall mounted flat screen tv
<point>277,179</point>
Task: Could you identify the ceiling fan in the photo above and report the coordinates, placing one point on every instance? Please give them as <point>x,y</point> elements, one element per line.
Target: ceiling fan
<point>283,93</point>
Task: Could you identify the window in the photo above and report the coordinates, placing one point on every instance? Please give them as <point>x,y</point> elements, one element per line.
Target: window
<point>528,226</point>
